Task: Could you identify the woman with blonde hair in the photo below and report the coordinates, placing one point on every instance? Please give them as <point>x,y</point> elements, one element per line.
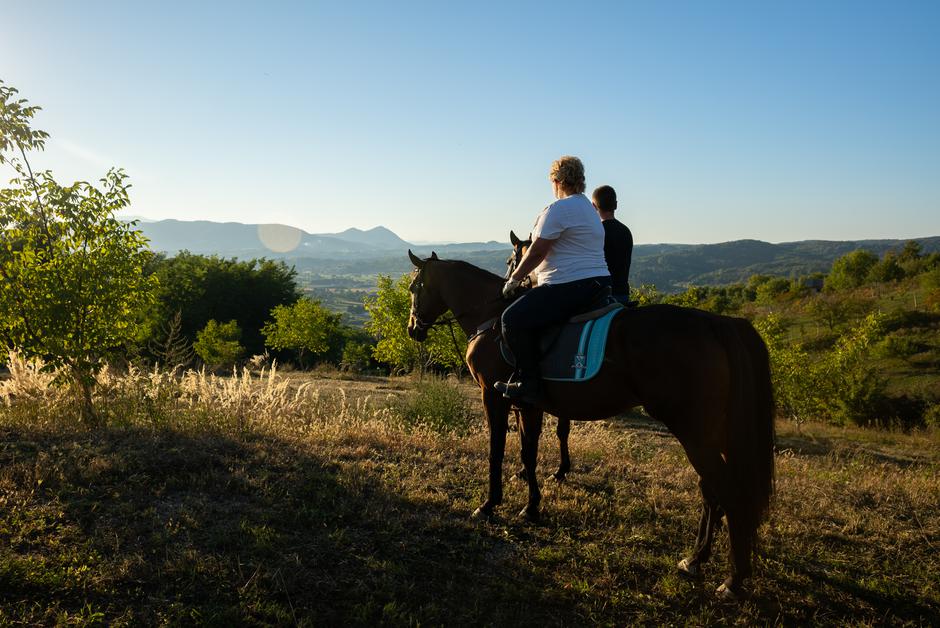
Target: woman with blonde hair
<point>567,255</point>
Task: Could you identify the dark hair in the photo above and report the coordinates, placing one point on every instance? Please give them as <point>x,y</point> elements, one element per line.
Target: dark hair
<point>605,198</point>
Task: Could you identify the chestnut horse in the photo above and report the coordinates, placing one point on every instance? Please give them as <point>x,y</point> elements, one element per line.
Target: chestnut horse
<point>705,376</point>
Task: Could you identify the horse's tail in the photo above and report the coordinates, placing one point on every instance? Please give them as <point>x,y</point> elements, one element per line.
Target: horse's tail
<point>750,438</point>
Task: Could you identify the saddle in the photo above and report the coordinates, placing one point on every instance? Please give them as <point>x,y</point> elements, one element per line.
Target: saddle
<point>573,351</point>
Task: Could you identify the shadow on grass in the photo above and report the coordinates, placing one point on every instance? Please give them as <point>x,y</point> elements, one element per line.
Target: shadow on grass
<point>834,588</point>
<point>166,527</point>
<point>823,446</point>
<point>139,527</point>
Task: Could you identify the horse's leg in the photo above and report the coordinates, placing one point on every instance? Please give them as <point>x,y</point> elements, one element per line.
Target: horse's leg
<point>497,416</point>
<point>742,543</point>
<point>563,430</point>
<point>530,430</point>
<point>708,524</point>
<point>711,467</point>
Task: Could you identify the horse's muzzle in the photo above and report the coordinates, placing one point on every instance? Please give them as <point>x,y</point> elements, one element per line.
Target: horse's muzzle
<point>417,333</point>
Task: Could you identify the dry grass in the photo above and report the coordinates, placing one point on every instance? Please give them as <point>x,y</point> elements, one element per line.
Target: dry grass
<point>271,499</point>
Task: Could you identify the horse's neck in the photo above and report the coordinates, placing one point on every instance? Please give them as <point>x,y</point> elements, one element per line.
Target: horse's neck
<point>473,297</point>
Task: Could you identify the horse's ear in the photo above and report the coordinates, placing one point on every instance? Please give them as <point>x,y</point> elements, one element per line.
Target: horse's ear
<point>530,237</point>
<point>433,255</point>
<point>513,238</point>
<point>417,261</point>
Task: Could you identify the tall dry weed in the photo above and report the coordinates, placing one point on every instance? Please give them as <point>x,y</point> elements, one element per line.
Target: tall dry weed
<point>186,399</point>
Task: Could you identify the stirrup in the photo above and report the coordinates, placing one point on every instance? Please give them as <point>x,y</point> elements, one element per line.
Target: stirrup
<point>517,391</point>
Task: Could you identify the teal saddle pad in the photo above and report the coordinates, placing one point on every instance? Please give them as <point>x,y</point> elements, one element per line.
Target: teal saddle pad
<point>573,352</point>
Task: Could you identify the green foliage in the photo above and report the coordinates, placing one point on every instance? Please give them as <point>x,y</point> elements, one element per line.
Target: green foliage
<point>898,346</point>
<point>887,269</point>
<point>646,294</point>
<point>851,270</point>
<point>930,280</point>
<point>768,291</point>
<point>357,356</point>
<point>834,310</point>
<point>218,344</point>
<point>202,288</point>
<point>692,297</point>
<point>73,282</point>
<point>437,404</point>
<point>912,260</point>
<point>841,386</point>
<point>305,327</point>
<point>932,416</point>
<point>792,373</point>
<point>388,321</point>
<point>854,389</point>
<point>16,132</point>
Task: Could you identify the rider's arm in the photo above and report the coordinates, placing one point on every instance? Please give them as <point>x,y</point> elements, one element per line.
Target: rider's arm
<point>532,258</point>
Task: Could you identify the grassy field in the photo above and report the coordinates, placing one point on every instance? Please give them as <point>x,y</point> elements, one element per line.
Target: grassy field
<point>255,502</point>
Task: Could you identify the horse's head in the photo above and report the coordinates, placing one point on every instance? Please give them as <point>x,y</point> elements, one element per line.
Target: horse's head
<point>519,247</point>
<point>426,302</point>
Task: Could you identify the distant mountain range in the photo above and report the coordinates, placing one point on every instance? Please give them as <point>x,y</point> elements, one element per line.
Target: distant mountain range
<point>670,267</point>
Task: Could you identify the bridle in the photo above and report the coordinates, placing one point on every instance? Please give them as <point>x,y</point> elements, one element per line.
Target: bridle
<point>421,325</point>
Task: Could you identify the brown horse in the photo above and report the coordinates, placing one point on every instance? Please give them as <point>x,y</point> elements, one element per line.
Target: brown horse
<point>705,376</point>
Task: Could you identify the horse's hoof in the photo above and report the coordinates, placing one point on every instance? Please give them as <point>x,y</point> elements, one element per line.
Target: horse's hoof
<point>558,476</point>
<point>482,515</point>
<point>689,569</point>
<point>530,515</point>
<point>728,594</point>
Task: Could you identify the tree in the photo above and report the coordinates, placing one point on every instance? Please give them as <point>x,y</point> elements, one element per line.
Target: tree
<point>202,288</point>
<point>218,344</point>
<point>305,327</point>
<point>834,310</point>
<point>72,274</point>
<point>851,270</point>
<point>888,269</point>
<point>769,291</point>
<point>172,349</point>
<point>388,321</point>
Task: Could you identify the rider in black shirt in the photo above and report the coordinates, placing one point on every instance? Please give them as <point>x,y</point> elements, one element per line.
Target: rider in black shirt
<point>618,242</point>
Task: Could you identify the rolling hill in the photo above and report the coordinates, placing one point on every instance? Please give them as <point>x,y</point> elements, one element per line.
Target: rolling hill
<point>670,267</point>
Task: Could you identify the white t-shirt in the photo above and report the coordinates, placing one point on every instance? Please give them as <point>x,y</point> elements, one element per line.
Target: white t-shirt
<point>578,251</point>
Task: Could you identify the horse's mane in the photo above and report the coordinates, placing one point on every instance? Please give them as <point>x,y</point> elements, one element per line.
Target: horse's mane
<point>483,274</point>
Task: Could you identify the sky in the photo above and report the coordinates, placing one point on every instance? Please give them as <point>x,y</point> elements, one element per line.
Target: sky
<point>714,121</point>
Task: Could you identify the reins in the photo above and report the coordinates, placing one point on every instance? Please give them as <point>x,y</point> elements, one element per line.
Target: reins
<point>451,319</point>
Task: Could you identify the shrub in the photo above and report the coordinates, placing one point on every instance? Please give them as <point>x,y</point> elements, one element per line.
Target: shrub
<point>851,270</point>
<point>852,391</point>
<point>897,346</point>
<point>932,416</point>
<point>437,404</point>
<point>218,344</point>
<point>770,290</point>
<point>841,388</point>
<point>791,372</point>
<point>888,269</point>
<point>305,327</point>
<point>357,356</point>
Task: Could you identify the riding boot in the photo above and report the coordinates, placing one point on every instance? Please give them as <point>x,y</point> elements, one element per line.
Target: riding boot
<point>523,385</point>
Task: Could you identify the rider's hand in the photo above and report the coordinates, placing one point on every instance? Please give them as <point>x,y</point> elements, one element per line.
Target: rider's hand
<point>510,287</point>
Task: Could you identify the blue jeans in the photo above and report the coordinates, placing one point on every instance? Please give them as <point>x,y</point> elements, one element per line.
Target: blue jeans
<point>539,308</point>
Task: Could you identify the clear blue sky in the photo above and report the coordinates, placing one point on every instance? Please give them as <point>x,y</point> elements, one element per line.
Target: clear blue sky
<point>714,120</point>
